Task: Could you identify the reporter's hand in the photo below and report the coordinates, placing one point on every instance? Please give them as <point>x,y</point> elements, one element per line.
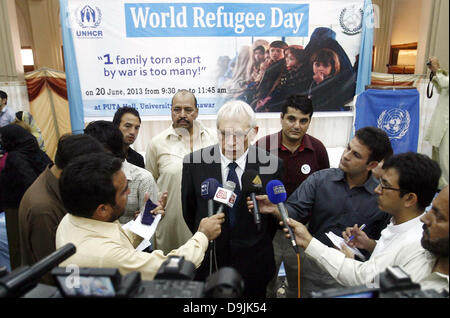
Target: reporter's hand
<point>212,226</point>
<point>302,236</point>
<point>360,239</point>
<point>161,206</point>
<point>264,205</point>
<point>344,249</point>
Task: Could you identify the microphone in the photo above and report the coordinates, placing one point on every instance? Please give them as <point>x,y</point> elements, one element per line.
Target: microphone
<point>23,279</point>
<point>225,195</point>
<point>252,185</point>
<point>277,195</point>
<point>208,190</point>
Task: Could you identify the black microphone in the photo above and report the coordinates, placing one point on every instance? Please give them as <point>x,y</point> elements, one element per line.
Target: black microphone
<point>277,195</point>
<point>252,185</point>
<point>208,190</point>
<point>23,279</point>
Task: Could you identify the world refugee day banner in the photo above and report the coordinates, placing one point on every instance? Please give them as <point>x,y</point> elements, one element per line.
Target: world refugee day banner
<point>139,53</point>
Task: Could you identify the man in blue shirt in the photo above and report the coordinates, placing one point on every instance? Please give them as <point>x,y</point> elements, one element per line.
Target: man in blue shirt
<point>332,199</point>
<point>7,115</point>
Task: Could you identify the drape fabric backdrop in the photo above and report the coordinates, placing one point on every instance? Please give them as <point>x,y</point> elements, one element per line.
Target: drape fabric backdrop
<point>47,92</point>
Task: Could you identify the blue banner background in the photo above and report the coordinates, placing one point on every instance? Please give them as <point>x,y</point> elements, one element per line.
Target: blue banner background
<point>183,19</point>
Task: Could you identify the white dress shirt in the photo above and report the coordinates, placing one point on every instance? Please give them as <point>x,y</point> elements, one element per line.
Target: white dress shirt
<point>241,161</point>
<point>395,236</point>
<point>413,258</point>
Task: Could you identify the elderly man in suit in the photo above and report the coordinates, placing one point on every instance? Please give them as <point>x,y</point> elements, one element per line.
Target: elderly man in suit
<point>241,245</point>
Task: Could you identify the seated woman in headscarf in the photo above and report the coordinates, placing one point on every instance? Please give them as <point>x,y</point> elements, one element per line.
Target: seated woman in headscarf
<point>23,164</point>
<point>333,92</point>
<point>25,120</point>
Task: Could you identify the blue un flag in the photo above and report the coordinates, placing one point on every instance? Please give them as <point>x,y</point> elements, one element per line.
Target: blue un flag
<point>397,112</point>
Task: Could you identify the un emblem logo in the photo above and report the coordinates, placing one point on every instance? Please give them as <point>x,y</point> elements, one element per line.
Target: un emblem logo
<point>88,17</point>
<point>395,122</point>
<point>351,20</point>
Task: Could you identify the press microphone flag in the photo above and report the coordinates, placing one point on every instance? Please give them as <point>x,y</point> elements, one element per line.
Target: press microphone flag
<point>225,195</point>
<point>277,195</point>
<point>252,185</point>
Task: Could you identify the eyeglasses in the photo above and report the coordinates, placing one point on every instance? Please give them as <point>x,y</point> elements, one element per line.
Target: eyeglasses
<point>383,187</point>
<point>236,134</point>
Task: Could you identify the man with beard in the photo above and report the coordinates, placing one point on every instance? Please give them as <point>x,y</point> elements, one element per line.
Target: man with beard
<point>164,159</point>
<point>94,190</point>
<point>426,261</point>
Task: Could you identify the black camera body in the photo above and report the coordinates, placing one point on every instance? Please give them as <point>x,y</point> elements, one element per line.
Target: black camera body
<point>394,283</point>
<point>174,279</point>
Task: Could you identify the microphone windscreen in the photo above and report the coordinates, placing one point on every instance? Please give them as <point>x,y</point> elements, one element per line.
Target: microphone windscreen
<point>251,182</point>
<point>209,188</point>
<point>276,192</point>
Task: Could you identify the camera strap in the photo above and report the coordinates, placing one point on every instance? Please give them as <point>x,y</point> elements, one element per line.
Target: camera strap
<point>430,93</point>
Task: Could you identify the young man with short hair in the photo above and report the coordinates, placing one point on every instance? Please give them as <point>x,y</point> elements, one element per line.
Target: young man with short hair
<point>425,259</point>
<point>129,123</point>
<point>140,181</point>
<point>302,155</point>
<point>94,190</point>
<point>41,208</point>
<point>7,115</point>
<point>407,186</point>
<point>331,200</point>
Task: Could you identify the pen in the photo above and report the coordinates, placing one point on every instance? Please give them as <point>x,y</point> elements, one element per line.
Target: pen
<point>361,228</point>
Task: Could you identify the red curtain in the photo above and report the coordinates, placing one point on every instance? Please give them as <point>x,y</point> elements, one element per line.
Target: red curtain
<point>35,85</point>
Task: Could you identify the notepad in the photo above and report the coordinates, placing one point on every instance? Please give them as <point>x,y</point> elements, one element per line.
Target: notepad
<point>146,231</point>
<point>337,241</point>
<point>143,230</point>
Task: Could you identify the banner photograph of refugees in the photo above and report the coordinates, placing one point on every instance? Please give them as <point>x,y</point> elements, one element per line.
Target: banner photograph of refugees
<point>123,53</point>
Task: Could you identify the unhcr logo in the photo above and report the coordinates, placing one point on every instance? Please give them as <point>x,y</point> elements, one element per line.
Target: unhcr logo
<point>88,17</point>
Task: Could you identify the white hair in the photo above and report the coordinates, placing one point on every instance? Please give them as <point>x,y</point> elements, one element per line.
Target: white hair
<point>235,109</point>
